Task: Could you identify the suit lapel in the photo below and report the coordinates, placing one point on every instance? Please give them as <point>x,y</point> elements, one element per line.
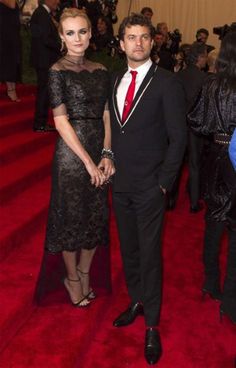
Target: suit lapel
<point>145,83</point>
<point>114,96</point>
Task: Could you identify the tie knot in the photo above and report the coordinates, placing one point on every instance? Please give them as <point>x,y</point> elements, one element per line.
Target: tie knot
<point>133,73</point>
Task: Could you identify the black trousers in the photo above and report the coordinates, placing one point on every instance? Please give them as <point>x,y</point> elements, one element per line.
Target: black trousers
<point>195,146</point>
<point>42,98</point>
<point>139,218</point>
<point>213,234</point>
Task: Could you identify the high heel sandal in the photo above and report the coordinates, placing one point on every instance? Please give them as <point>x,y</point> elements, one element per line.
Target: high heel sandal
<point>78,304</point>
<point>226,313</point>
<point>11,93</point>
<point>91,294</point>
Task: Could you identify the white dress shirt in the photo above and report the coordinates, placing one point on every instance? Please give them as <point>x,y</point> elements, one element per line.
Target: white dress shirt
<point>125,82</point>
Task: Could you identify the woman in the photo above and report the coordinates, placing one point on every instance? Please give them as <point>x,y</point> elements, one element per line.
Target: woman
<point>215,114</point>
<point>10,46</point>
<point>83,161</point>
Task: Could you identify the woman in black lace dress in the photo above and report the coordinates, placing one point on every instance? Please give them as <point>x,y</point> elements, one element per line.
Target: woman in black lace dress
<point>83,161</point>
<point>215,114</point>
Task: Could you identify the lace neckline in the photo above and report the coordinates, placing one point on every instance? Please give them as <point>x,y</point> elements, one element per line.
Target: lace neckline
<point>76,60</point>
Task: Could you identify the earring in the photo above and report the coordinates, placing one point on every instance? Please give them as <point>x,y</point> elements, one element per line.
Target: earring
<point>63,46</point>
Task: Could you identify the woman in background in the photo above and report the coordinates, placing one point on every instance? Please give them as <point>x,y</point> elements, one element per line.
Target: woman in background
<point>215,114</point>
<point>10,46</point>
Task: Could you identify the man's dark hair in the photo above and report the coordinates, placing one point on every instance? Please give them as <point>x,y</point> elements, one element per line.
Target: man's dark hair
<point>135,19</point>
<point>202,30</point>
<point>195,50</point>
<point>146,9</point>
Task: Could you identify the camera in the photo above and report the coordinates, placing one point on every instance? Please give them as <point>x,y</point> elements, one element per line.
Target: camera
<point>111,4</point>
<point>175,36</point>
<point>175,39</point>
<point>222,31</point>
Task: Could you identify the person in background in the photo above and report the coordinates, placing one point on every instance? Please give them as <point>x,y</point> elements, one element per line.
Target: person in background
<point>202,35</point>
<point>103,34</point>
<point>10,46</point>
<point>83,160</point>
<point>45,50</point>
<point>214,114</point>
<point>160,54</point>
<point>192,78</point>
<point>147,12</point>
<point>232,150</point>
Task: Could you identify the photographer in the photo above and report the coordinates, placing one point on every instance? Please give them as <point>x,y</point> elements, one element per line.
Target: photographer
<point>171,39</point>
<point>202,36</point>
<point>160,54</point>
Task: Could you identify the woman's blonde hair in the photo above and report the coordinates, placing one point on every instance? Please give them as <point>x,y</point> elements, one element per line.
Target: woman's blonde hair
<point>72,13</point>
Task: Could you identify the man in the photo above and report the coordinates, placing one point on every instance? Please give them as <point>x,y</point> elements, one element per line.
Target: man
<point>45,50</point>
<point>147,12</point>
<point>160,54</point>
<point>202,36</point>
<point>148,140</point>
<point>193,78</point>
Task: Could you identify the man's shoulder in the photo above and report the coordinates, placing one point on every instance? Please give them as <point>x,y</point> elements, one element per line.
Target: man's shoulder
<point>40,11</point>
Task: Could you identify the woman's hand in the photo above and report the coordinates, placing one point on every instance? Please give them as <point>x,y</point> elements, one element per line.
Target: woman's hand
<point>98,178</point>
<point>106,165</point>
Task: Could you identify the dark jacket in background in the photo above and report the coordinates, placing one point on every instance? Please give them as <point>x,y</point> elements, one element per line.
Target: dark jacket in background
<point>45,41</point>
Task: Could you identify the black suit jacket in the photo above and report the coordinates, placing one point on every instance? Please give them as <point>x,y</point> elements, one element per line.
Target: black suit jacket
<point>150,145</point>
<point>45,41</point>
<point>192,79</point>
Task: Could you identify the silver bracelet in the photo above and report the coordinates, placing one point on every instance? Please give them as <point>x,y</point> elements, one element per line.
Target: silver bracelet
<point>107,153</point>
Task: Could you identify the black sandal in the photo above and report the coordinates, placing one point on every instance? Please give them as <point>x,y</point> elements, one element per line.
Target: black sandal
<point>91,294</point>
<point>77,304</point>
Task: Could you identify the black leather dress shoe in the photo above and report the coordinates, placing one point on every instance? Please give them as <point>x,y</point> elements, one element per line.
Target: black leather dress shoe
<point>39,129</point>
<point>129,315</point>
<point>152,348</point>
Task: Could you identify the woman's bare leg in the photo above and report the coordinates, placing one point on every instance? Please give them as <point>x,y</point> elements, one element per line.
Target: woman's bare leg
<point>72,282</point>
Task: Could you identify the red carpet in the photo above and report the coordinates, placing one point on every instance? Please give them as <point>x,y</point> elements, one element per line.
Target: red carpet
<point>61,336</point>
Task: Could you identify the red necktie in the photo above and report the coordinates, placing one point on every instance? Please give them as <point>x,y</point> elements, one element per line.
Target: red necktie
<point>129,95</point>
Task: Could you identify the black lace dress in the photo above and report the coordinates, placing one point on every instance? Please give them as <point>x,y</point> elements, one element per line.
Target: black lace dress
<point>78,213</point>
<point>215,113</point>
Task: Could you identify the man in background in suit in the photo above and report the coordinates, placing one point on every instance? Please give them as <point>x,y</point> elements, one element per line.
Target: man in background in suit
<point>148,139</point>
<point>45,51</point>
<point>193,78</point>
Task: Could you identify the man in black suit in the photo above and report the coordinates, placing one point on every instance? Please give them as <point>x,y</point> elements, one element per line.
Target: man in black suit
<point>148,142</point>
<point>45,50</point>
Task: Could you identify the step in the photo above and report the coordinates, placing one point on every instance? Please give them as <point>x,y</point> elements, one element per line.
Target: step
<point>21,144</point>
<point>24,215</point>
<point>25,172</point>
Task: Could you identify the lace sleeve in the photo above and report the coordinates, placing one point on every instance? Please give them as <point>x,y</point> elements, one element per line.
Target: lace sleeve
<point>57,93</point>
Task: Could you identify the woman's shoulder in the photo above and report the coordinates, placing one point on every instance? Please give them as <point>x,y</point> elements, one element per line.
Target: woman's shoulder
<point>96,66</point>
<point>58,65</point>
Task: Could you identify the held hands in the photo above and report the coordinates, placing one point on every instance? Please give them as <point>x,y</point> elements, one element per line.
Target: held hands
<point>98,178</point>
<point>106,165</point>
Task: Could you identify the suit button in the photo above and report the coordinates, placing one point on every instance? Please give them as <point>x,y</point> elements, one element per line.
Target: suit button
<point>122,131</point>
